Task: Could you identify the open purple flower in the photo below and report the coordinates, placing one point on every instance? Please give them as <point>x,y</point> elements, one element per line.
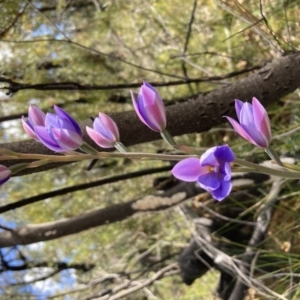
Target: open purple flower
<point>58,132</point>
<point>150,107</point>
<point>105,132</point>
<point>36,117</point>
<point>212,171</point>
<point>254,123</point>
<point>5,174</point>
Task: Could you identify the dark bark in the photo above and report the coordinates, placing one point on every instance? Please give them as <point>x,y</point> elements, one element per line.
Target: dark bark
<point>269,84</point>
<point>48,231</point>
<point>78,187</point>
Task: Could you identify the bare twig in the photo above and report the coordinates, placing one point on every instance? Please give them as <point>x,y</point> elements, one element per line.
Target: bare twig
<point>258,236</point>
<point>167,271</point>
<point>14,86</point>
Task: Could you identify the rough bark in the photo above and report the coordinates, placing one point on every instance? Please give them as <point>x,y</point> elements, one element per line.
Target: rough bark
<point>52,230</point>
<point>269,84</point>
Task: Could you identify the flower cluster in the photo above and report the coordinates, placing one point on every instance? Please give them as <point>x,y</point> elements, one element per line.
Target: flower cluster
<point>212,171</point>
<point>59,132</point>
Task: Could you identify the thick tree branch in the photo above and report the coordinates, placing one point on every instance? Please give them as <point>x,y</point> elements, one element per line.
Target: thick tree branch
<point>269,84</point>
<point>48,231</point>
<point>79,187</point>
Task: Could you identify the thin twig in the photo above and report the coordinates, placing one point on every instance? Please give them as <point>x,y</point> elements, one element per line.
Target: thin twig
<point>258,236</point>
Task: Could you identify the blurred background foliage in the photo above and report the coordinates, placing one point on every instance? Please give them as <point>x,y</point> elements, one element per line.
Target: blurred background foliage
<point>119,42</point>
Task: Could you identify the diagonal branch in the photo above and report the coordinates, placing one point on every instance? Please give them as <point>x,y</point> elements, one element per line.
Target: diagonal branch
<point>52,230</point>
<point>79,187</point>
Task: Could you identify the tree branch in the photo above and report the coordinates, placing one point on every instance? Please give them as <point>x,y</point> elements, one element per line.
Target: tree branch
<point>79,187</point>
<point>48,231</point>
<point>14,86</point>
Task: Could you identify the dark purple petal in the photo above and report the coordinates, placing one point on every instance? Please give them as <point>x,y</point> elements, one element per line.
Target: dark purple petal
<point>187,169</point>
<point>225,170</point>
<point>64,115</point>
<point>141,114</point>
<point>209,181</point>
<point>223,191</point>
<point>224,153</point>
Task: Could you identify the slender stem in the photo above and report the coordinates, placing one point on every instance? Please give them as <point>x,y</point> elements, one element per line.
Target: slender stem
<point>264,170</point>
<point>120,147</point>
<point>167,137</point>
<point>273,155</point>
<point>68,158</point>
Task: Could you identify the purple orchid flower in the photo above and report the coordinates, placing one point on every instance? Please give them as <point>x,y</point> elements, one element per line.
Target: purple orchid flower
<point>212,171</point>
<point>105,132</point>
<point>5,174</point>
<point>150,107</point>
<point>36,117</point>
<point>254,123</point>
<point>58,132</point>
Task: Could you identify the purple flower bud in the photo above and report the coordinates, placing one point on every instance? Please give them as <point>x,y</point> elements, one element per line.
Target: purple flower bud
<point>36,117</point>
<point>58,132</point>
<point>212,171</point>
<point>105,132</point>
<point>5,174</point>
<point>150,107</point>
<point>254,123</point>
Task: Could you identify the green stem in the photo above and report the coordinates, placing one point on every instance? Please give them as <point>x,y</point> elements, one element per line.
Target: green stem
<point>167,137</point>
<point>264,170</point>
<point>120,147</point>
<point>273,156</point>
<point>79,157</point>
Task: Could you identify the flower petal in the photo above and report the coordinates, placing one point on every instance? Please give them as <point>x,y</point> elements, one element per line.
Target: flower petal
<point>223,191</point>
<point>29,129</point>
<point>224,153</point>
<point>248,123</point>
<point>240,130</point>
<point>45,138</point>
<point>208,158</point>
<point>66,139</point>
<point>106,127</point>
<point>238,106</point>
<point>99,139</point>
<point>209,181</point>
<point>64,115</point>
<point>261,119</point>
<point>187,169</point>
<point>36,116</point>
<point>5,174</point>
